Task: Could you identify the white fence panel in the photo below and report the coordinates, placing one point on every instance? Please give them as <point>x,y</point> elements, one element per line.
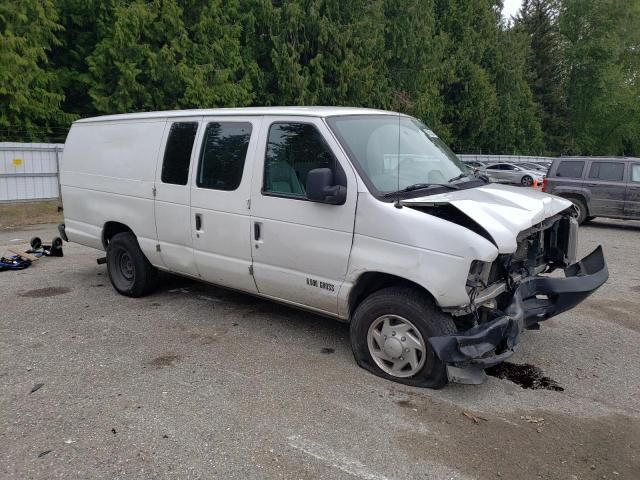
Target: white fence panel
<point>29,171</point>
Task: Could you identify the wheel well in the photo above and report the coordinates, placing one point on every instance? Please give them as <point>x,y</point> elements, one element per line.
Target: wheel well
<point>371,282</point>
<point>577,196</point>
<point>110,229</point>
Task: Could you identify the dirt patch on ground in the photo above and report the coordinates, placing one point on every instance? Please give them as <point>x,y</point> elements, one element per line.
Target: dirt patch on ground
<point>29,213</point>
<point>45,292</point>
<point>167,360</point>
<point>535,444</point>
<point>620,312</point>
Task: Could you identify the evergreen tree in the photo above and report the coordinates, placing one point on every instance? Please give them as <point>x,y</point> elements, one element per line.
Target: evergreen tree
<point>329,52</point>
<point>29,100</point>
<point>216,75</point>
<point>469,30</point>
<point>143,61</point>
<point>415,56</point>
<point>517,128</point>
<point>603,56</point>
<point>85,23</point>
<point>547,72</point>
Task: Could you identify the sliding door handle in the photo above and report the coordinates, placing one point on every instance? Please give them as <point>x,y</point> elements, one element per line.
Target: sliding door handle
<point>257,231</point>
<point>198,222</point>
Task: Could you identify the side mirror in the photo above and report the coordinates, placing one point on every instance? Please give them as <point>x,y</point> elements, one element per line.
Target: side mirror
<point>320,187</point>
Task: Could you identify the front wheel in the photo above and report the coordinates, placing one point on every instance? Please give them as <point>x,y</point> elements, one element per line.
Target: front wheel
<point>389,337</point>
<point>130,272</point>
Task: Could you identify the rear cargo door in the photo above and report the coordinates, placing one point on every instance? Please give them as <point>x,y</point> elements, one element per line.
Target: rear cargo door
<point>632,199</point>
<point>172,195</point>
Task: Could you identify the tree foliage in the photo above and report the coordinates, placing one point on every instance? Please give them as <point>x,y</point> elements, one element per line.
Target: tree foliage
<point>29,99</point>
<point>562,78</point>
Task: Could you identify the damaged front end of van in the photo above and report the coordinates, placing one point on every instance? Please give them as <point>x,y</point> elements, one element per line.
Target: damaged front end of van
<point>516,292</point>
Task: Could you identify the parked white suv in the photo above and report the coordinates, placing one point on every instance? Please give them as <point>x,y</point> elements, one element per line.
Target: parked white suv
<point>362,215</point>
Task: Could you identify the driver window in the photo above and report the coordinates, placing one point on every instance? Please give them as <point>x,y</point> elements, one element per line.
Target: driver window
<point>293,149</point>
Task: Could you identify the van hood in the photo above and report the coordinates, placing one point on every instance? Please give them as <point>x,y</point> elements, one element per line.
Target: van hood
<point>502,211</point>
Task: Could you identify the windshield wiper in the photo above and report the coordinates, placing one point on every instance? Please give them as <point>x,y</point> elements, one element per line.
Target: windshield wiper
<point>459,177</point>
<point>420,186</point>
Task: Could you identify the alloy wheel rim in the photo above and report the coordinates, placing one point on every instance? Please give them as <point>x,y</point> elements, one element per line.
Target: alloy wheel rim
<point>396,345</point>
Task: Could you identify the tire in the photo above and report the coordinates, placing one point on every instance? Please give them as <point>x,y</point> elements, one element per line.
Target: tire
<point>130,272</point>
<point>35,243</point>
<point>526,181</point>
<point>583,213</point>
<point>421,312</point>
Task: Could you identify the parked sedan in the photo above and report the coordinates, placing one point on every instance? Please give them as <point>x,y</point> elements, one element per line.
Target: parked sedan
<point>474,164</point>
<point>511,173</point>
<point>534,166</point>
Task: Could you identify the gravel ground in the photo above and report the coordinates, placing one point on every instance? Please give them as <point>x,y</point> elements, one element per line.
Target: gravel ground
<point>196,381</point>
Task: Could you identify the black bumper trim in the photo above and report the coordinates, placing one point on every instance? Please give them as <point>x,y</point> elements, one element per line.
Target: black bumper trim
<point>492,342</point>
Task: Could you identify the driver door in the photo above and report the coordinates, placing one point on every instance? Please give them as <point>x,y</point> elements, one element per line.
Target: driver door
<point>300,248</point>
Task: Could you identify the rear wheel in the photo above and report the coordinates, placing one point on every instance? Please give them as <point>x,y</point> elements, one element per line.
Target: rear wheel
<point>130,272</point>
<point>389,337</point>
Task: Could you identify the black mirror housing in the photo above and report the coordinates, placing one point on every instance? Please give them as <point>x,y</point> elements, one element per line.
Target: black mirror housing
<point>320,187</point>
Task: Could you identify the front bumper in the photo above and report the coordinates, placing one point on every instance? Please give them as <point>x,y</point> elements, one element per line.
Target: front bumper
<point>468,353</point>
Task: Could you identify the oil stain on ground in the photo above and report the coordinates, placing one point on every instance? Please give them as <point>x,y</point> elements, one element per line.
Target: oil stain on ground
<point>45,292</point>
<point>525,375</point>
<point>164,361</point>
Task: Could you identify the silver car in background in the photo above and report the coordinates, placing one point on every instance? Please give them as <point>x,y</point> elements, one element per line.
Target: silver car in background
<point>512,173</point>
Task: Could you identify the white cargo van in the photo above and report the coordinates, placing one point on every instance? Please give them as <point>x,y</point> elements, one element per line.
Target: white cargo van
<point>363,215</point>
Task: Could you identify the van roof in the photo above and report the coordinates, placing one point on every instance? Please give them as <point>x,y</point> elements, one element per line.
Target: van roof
<point>261,111</point>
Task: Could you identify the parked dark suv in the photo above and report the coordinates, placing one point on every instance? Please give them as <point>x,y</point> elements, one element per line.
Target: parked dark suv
<point>598,186</point>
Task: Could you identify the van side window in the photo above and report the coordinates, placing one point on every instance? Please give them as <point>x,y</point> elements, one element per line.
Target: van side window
<point>177,153</point>
<point>293,149</point>
<point>611,171</point>
<point>635,173</point>
<point>570,169</point>
<point>224,149</point>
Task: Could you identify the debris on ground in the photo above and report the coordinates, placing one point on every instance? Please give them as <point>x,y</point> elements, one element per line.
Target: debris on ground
<point>36,387</point>
<point>538,421</point>
<point>475,418</point>
<point>42,454</point>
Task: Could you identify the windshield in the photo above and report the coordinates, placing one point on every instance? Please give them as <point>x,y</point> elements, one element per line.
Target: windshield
<point>397,153</point>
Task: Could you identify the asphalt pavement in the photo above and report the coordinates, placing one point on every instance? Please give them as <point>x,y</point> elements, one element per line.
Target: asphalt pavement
<point>196,381</point>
